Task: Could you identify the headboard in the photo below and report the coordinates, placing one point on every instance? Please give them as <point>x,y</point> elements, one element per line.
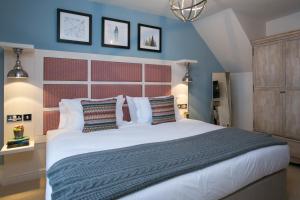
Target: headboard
<point>67,78</point>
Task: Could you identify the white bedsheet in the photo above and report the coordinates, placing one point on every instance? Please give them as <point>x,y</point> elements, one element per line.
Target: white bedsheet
<point>210,183</point>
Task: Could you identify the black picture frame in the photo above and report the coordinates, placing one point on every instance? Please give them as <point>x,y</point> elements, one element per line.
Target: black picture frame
<point>140,36</point>
<point>64,40</point>
<point>103,33</point>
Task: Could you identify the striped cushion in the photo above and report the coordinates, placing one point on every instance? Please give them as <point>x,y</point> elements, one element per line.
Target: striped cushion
<point>162,109</point>
<point>99,115</point>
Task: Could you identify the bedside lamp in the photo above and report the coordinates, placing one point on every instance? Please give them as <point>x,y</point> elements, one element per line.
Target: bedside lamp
<point>17,71</point>
<point>187,76</point>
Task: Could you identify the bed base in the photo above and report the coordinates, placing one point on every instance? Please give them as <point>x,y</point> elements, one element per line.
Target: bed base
<point>272,187</point>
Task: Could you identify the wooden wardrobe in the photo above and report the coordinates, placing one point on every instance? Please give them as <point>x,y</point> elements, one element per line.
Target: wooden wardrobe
<point>276,78</point>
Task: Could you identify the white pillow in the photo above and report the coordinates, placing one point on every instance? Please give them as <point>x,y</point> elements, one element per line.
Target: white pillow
<point>62,116</point>
<point>119,110</point>
<point>132,109</point>
<point>72,113</point>
<point>75,120</point>
<point>143,109</point>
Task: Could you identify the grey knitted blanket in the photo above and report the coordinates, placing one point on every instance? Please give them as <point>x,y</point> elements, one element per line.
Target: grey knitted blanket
<point>114,173</point>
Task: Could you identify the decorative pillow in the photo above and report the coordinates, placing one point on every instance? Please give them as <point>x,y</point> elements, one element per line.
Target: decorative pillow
<point>71,113</point>
<point>162,110</point>
<point>99,115</point>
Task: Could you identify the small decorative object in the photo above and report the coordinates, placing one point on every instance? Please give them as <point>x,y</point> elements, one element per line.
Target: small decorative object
<point>74,27</point>
<point>187,10</point>
<point>115,33</point>
<point>18,131</point>
<point>186,115</point>
<point>149,38</point>
<point>17,71</point>
<point>19,142</point>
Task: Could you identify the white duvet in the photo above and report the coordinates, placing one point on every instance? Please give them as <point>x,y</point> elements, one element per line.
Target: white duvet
<point>210,183</point>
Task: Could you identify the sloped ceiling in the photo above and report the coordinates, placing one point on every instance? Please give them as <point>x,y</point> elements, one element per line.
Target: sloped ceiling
<point>227,39</point>
<point>260,9</point>
<point>227,26</point>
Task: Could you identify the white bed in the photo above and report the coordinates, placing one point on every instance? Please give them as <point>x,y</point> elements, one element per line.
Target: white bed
<point>210,183</point>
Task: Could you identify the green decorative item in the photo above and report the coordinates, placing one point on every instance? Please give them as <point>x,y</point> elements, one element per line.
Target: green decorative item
<point>18,131</point>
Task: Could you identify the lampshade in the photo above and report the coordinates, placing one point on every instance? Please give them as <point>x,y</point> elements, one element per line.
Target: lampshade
<point>187,76</point>
<point>17,71</point>
<point>187,10</point>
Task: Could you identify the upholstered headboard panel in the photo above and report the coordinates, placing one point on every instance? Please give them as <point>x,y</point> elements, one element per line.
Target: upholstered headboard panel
<point>79,78</point>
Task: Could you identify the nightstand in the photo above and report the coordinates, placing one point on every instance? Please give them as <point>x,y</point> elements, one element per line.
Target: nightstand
<point>6,151</point>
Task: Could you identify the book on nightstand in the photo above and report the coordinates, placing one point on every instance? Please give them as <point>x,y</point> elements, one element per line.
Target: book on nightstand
<point>20,142</point>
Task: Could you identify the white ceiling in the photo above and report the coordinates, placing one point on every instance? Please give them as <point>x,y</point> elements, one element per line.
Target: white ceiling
<point>264,10</point>
<point>227,26</point>
<point>227,40</point>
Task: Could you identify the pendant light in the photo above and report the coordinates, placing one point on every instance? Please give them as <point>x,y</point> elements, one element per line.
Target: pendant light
<point>17,71</point>
<point>187,10</point>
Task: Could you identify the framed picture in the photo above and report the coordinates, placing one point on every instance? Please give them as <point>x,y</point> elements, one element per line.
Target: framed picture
<point>149,38</point>
<point>74,27</point>
<point>115,33</point>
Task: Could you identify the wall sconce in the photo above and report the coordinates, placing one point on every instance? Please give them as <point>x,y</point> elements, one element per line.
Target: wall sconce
<point>187,76</point>
<point>17,71</point>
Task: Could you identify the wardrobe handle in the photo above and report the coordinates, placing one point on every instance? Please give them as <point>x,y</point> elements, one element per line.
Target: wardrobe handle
<point>282,92</point>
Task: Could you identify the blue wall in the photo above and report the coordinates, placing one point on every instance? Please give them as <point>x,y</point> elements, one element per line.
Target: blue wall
<point>34,22</point>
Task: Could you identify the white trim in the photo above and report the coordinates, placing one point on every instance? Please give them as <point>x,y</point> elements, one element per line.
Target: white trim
<point>184,62</point>
<point>114,83</point>
<point>10,46</point>
<point>102,57</point>
<point>51,109</point>
<point>65,82</point>
<point>104,83</point>
<point>7,151</point>
<point>158,83</point>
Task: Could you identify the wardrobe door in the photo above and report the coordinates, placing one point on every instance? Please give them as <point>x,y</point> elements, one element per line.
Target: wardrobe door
<point>292,99</point>
<point>268,111</point>
<point>268,82</point>
<point>268,68</point>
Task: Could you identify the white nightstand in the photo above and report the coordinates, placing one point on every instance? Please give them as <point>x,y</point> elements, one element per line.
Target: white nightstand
<point>6,151</point>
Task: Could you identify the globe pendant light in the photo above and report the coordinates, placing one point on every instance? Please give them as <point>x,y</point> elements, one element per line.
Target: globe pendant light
<point>187,10</point>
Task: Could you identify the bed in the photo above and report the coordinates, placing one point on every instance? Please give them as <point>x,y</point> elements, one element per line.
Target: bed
<point>234,178</point>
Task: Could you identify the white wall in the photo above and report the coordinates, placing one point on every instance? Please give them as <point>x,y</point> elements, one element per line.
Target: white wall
<point>253,27</point>
<point>227,39</point>
<point>242,100</point>
<point>283,24</point>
